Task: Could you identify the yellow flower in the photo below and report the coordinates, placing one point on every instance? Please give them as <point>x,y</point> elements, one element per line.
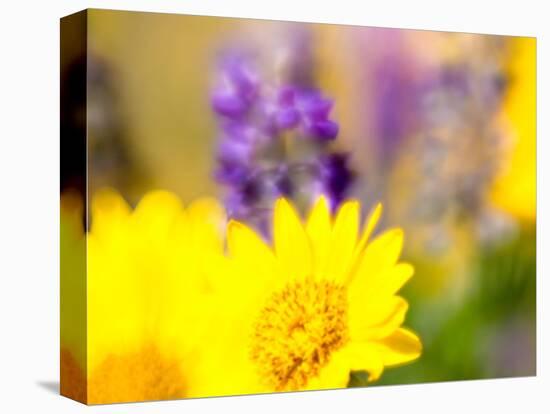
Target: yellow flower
<point>72,298</point>
<point>148,295</point>
<point>321,303</point>
<point>515,189</point>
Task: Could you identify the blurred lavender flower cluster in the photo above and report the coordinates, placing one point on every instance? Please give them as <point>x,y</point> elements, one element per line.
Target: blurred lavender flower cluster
<point>434,140</point>
<point>451,152</point>
<point>458,107</point>
<point>274,141</point>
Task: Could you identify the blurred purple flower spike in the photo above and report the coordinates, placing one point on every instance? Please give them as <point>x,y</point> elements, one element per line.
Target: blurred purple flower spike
<point>260,123</point>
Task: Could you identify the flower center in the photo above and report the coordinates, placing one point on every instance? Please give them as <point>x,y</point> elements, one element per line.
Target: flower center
<point>136,376</point>
<point>296,332</point>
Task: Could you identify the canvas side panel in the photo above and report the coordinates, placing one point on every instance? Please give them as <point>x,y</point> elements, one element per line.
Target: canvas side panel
<point>73,207</point>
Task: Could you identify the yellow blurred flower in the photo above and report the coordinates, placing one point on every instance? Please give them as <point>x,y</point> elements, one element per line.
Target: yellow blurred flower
<point>72,297</point>
<point>148,294</point>
<point>515,189</point>
<point>321,303</point>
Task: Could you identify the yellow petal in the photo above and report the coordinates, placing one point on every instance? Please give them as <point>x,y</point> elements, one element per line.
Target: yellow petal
<point>379,255</point>
<point>365,357</point>
<point>109,211</point>
<point>343,241</point>
<point>318,229</point>
<point>248,248</point>
<point>208,215</point>
<point>387,284</point>
<point>207,210</point>
<point>156,213</point>
<point>207,222</point>
<point>400,347</point>
<point>370,224</point>
<point>393,280</point>
<point>333,375</point>
<point>108,201</point>
<point>292,246</point>
<point>375,320</point>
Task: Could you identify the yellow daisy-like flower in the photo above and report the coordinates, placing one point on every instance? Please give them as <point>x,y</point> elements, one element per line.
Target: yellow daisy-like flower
<point>73,298</point>
<point>321,303</point>
<point>148,295</point>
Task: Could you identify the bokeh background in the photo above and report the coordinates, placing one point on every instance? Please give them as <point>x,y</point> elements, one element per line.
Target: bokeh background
<point>439,127</point>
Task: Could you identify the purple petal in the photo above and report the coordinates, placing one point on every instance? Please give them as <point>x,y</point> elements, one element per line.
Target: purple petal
<point>238,131</point>
<point>314,106</point>
<point>229,104</point>
<point>234,152</point>
<point>287,118</point>
<point>324,130</point>
<point>238,72</point>
<point>286,96</point>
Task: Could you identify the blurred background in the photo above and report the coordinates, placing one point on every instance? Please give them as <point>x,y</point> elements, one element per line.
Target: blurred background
<point>439,127</point>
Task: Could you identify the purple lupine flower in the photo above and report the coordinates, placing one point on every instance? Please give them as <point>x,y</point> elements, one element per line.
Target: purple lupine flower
<point>255,118</point>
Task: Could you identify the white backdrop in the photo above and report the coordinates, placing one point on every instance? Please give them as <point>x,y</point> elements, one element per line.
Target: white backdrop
<point>29,236</point>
